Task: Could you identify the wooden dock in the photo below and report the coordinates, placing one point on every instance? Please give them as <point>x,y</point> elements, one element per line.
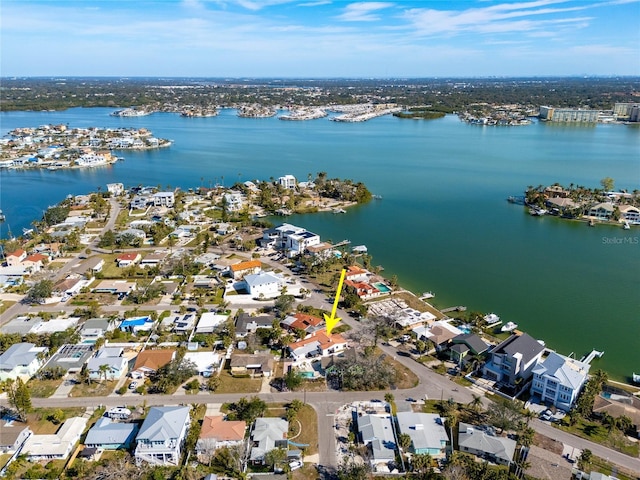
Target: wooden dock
<point>459,308</point>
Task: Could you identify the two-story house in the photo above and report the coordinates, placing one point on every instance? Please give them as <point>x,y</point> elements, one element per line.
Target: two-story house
<point>511,362</point>
<point>162,435</point>
<point>21,360</point>
<point>558,380</point>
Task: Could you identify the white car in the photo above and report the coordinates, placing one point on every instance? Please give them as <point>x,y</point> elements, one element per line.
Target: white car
<point>295,465</point>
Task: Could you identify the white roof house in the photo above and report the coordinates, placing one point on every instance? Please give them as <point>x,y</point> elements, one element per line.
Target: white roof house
<point>209,321</point>
<point>559,379</point>
<point>115,365</point>
<point>21,360</point>
<point>206,362</point>
<point>267,434</point>
<point>57,446</point>
<point>161,436</point>
<point>427,432</point>
<point>263,283</point>
<point>376,431</point>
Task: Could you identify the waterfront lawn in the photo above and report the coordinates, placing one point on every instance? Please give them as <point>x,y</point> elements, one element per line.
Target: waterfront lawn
<point>231,384</point>
<point>43,388</point>
<point>598,433</point>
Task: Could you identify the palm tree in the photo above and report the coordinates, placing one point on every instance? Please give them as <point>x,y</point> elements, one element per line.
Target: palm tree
<point>476,403</point>
<point>104,371</point>
<point>529,415</point>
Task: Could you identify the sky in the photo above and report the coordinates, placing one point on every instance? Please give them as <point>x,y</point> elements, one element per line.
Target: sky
<point>319,38</point>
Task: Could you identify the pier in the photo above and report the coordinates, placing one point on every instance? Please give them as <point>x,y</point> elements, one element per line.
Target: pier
<point>342,243</point>
<point>459,308</point>
<point>588,358</point>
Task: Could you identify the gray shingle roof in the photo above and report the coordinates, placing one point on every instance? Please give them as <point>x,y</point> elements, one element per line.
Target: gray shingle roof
<point>525,344</point>
<point>163,423</point>
<point>472,438</point>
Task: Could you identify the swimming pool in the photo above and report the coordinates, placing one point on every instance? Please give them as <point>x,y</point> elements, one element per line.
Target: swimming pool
<point>382,287</point>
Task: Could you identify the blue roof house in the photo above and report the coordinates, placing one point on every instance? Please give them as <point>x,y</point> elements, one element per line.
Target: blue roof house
<point>109,435</point>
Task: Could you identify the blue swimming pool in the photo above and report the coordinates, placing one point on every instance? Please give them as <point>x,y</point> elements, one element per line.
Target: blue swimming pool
<point>382,287</point>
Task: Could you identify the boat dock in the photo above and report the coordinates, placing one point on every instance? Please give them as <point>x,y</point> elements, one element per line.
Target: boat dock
<point>517,199</point>
<point>459,308</point>
<point>588,358</point>
<point>342,243</point>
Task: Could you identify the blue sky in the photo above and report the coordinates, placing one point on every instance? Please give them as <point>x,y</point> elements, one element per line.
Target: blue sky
<point>319,38</point>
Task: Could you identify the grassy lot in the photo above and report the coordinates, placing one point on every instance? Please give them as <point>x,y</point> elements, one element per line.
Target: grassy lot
<point>56,265</point>
<point>304,430</point>
<point>308,472</point>
<point>86,298</point>
<point>230,384</point>
<point>4,458</point>
<point>597,433</point>
<point>601,465</point>
<point>94,389</point>
<point>39,423</point>
<point>405,378</point>
<point>5,304</point>
<point>43,388</point>
<point>430,406</point>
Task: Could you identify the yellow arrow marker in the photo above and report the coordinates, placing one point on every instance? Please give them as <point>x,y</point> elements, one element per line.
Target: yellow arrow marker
<point>332,320</point>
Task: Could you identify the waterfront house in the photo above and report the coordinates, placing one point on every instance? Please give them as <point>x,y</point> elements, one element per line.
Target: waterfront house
<point>427,432</point>
<point>561,204</point>
<point>21,360</point>
<point>34,263</point>
<point>439,333</point>
<point>266,435</point>
<point>287,181</point>
<point>128,259</point>
<point>107,364</point>
<point>557,380</point>
<point>317,345</point>
<point>376,432</point>
<point>162,435</point>
<point>260,364</point>
<point>364,290</point>
<point>619,403</point>
<point>13,434</point>
<point>474,440</point>
<point>109,435</point>
<point>115,189</point>
<point>241,269</point>
<point>216,432</point>
<point>466,344</point>
<point>149,361</point>
<point>55,446</point>
<point>293,240</point>
<point>630,213</point>
<point>322,250</point>
<point>263,284</point>
<point>235,201</point>
<point>512,361</point>
<point>356,274</point>
<point>246,324</point>
<point>602,211</point>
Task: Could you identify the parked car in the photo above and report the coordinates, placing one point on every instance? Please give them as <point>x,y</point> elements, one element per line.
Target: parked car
<point>295,465</point>
<point>133,385</point>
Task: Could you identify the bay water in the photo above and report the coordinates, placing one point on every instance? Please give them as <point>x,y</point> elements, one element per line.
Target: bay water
<point>443,223</point>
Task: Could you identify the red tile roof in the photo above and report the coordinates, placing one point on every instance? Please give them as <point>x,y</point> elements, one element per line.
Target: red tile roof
<point>128,256</point>
<point>250,264</point>
<point>17,253</point>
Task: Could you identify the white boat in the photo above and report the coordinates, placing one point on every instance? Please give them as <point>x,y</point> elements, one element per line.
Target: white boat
<point>537,211</point>
<point>508,327</point>
<point>492,319</point>
<point>636,378</point>
<point>626,225</point>
<point>339,210</point>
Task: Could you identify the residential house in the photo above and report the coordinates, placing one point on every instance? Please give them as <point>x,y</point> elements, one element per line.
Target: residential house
<point>208,259</point>
<point>293,240</point>
<point>93,264</point>
<point>107,364</point>
<point>256,364</point>
<point>209,321</point>
<point>287,181</point>
<point>246,323</point>
<point>234,201</point>
<point>263,285</point>
<point>224,228</point>
<point>216,432</point>
<point>466,344</point>
<point>317,345</point>
<point>322,250</point>
<point>602,211</point>
<point>34,263</point>
<point>302,322</point>
<point>239,270</point>
<point>117,287</point>
<point>95,328</point>
<point>128,259</point>
<point>206,282</point>
<point>557,380</point>
<point>163,199</point>
<point>57,446</point>
<point>162,435</point>
<point>71,285</point>
<point>21,360</point>
<point>476,441</point>
<point>207,363</point>
<point>136,324</point>
<point>618,404</point>
<point>13,434</point>
<point>356,274</point>
<point>152,260</point>
<point>630,213</point>
<point>266,435</point>
<point>427,432</point>
<point>109,435</point>
<point>376,432</point>
<point>408,317</point>
<point>561,204</point>
<point>115,189</point>
<point>512,361</point>
<point>15,258</point>
<point>149,361</point>
<point>364,290</point>
<point>439,333</point>
<point>181,323</point>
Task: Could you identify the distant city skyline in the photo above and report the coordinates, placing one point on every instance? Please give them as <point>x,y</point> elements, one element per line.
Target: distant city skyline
<point>319,38</point>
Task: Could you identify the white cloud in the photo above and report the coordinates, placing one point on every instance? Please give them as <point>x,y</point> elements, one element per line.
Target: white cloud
<point>315,4</point>
<point>363,11</point>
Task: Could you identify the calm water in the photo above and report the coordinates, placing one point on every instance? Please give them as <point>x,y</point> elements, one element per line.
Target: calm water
<point>443,224</point>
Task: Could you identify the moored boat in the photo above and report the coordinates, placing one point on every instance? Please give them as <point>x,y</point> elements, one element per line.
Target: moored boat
<point>636,378</point>
<point>508,327</point>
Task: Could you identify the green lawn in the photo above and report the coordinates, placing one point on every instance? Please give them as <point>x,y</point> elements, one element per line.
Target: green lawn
<point>597,433</point>
<point>231,384</point>
<point>39,423</point>
<point>43,388</point>
<point>95,389</point>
